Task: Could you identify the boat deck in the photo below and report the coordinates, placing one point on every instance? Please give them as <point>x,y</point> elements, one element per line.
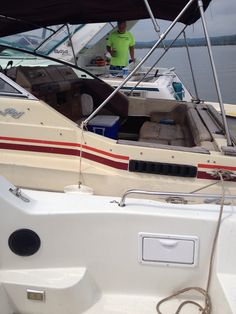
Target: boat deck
<point>169,123</point>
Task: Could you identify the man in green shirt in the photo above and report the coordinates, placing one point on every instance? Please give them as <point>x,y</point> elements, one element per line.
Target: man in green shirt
<point>120,44</point>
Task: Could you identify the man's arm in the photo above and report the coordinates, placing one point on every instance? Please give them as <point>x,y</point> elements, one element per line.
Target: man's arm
<point>131,52</point>
<point>111,51</point>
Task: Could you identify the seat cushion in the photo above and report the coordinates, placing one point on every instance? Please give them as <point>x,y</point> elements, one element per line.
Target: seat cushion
<point>197,127</point>
<point>149,130</point>
<point>153,130</point>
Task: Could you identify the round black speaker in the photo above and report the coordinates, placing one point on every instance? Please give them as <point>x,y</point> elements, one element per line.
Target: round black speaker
<point>24,242</point>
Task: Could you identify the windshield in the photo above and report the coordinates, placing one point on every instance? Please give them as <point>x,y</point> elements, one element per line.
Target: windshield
<point>59,41</point>
<point>39,39</point>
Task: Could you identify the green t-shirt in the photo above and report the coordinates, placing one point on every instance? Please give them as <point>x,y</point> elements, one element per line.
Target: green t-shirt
<point>121,43</point>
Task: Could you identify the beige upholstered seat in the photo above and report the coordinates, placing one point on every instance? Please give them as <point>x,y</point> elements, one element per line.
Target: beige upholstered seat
<point>197,127</point>
<point>161,133</point>
<point>86,101</point>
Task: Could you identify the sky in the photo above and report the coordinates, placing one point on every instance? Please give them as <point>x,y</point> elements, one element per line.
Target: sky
<point>220,19</point>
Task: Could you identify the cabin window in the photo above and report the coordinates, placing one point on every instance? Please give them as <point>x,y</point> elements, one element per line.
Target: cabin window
<point>6,88</point>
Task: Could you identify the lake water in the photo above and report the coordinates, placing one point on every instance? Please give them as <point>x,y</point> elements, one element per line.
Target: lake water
<point>225,62</point>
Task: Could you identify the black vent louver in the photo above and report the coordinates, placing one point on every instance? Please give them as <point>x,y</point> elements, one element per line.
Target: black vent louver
<point>162,168</point>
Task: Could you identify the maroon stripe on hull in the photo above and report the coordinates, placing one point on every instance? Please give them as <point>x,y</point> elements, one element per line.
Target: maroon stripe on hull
<point>65,151</point>
<point>40,149</point>
<point>104,161</point>
<point>205,175</point>
<point>45,142</point>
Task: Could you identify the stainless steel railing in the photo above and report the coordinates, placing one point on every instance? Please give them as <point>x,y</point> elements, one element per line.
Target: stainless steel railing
<point>179,197</point>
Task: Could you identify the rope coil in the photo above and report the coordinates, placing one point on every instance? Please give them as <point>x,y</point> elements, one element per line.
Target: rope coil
<point>207,309</point>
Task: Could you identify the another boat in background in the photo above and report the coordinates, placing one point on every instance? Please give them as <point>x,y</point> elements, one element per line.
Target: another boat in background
<point>83,45</point>
<point>79,45</point>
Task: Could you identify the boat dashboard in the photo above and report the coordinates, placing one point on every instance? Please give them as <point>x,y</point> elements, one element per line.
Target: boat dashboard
<point>60,87</point>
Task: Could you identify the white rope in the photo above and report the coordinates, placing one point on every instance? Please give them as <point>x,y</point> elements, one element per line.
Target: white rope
<point>82,141</point>
<point>207,309</point>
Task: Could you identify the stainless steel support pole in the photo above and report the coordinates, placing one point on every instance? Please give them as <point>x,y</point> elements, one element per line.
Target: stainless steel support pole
<point>229,142</point>
<point>156,26</point>
<point>71,44</point>
<point>191,67</point>
<point>139,64</point>
<point>161,56</point>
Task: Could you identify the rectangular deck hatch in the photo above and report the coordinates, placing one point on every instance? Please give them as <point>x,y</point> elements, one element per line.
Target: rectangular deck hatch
<point>168,249</point>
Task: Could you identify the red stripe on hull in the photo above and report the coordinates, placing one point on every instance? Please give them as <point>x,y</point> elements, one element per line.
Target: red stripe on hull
<point>105,153</point>
<point>65,151</point>
<point>107,162</point>
<point>216,167</point>
<point>26,140</point>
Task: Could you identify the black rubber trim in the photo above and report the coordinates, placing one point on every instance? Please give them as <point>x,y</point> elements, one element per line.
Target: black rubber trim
<point>162,168</point>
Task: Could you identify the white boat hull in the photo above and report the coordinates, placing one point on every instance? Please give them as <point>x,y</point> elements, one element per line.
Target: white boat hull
<point>77,252</point>
<point>90,258</point>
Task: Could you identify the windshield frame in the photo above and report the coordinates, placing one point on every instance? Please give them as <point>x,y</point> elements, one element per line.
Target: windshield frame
<point>21,91</point>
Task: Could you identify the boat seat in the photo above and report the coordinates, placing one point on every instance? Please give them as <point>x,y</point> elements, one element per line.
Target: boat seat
<point>99,90</point>
<point>206,117</point>
<point>86,102</point>
<point>197,127</point>
<point>87,107</point>
<point>154,132</point>
<point>161,131</point>
<point>171,132</point>
<point>149,130</point>
<point>178,142</point>
<point>177,114</point>
<point>208,145</point>
<point>154,141</point>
